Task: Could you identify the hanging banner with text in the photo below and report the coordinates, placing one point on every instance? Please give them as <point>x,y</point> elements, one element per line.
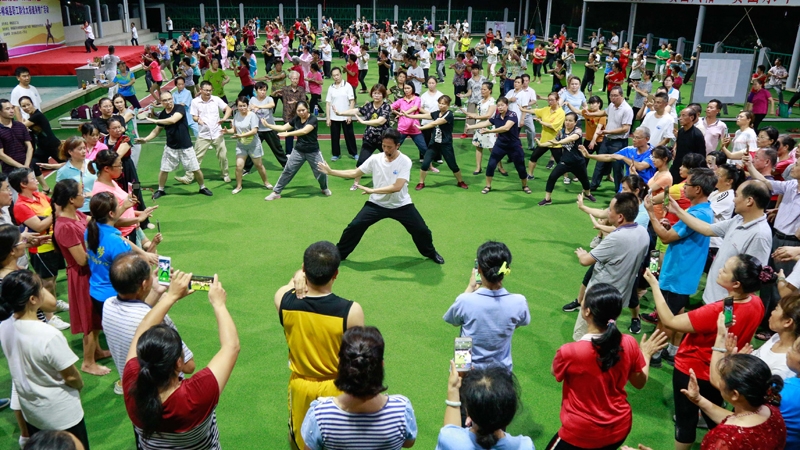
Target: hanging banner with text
<point>710,2</point>
<point>30,26</point>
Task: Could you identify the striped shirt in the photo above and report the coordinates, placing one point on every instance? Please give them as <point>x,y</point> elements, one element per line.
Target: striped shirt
<point>329,427</point>
<point>120,320</point>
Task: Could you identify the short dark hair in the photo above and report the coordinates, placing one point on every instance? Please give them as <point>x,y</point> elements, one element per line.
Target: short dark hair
<point>205,83</point>
<point>628,205</point>
<point>718,103</point>
<point>261,85</point>
<point>595,99</point>
<point>662,95</point>
<point>771,154</point>
<point>51,440</point>
<point>392,134</point>
<point>18,176</point>
<point>128,272</point>
<point>704,178</point>
<point>361,362</point>
<point>491,396</point>
<point>758,191</point>
<point>320,262</point>
<point>20,70</point>
<point>180,79</point>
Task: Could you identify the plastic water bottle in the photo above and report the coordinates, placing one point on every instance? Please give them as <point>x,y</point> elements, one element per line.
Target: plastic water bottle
<point>653,266</point>
<point>316,110</point>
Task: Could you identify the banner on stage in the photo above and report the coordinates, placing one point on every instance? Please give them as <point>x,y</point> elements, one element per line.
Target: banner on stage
<point>30,26</point>
<point>710,2</point>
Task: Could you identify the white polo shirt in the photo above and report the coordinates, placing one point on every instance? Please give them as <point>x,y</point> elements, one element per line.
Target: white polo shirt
<point>19,92</point>
<point>209,113</point>
<point>339,97</point>
<point>385,173</point>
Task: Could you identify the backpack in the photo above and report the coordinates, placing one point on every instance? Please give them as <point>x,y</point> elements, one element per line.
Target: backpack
<point>96,110</point>
<point>81,112</point>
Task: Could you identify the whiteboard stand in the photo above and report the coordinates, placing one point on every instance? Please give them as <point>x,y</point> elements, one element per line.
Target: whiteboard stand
<point>722,76</point>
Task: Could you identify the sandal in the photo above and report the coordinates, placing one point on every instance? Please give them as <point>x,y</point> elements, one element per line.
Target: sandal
<point>486,190</point>
<point>526,190</point>
<point>236,191</point>
<point>503,173</point>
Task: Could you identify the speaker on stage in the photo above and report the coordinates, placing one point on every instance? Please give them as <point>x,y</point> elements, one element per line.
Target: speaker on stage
<point>3,52</point>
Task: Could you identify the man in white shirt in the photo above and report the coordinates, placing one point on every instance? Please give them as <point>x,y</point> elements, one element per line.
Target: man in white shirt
<point>205,111</point>
<point>389,198</point>
<point>415,74</point>
<point>527,99</point>
<point>169,28</point>
<point>424,57</point>
<point>713,128</point>
<point>340,97</point>
<point>327,57</point>
<point>659,122</point>
<point>24,89</point>
<point>465,26</point>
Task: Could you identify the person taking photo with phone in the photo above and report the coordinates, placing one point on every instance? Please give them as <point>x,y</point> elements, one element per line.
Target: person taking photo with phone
<point>486,311</point>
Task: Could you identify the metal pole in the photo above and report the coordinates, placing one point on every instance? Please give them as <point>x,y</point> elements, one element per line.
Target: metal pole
<point>631,25</point>
<point>581,31</point>
<point>99,19</point>
<point>791,83</point>
<point>547,19</point>
<point>448,12</point>
<point>374,7</point>
<point>527,7</point>
<point>698,32</point>
<point>518,31</point>
<point>241,14</point>
<point>297,9</point>
<point>219,16</point>
<point>142,15</point>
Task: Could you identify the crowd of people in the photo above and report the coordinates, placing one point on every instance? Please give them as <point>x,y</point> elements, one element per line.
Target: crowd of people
<point>689,200</point>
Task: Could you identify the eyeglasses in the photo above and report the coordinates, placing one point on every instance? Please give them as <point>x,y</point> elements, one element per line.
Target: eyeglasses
<point>689,185</point>
<point>117,166</point>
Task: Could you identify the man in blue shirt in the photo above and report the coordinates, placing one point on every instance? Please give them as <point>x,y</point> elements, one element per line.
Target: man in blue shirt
<point>638,155</point>
<point>686,255</point>
<point>194,38</point>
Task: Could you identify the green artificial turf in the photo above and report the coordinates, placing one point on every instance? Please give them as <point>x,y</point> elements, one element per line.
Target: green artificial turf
<point>256,246</point>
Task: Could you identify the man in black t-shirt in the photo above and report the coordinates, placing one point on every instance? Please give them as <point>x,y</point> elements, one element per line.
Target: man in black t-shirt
<point>441,143</point>
<point>689,140</point>
<point>178,148</point>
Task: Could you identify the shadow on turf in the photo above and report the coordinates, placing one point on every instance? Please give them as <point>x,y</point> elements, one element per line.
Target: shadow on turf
<point>423,270</point>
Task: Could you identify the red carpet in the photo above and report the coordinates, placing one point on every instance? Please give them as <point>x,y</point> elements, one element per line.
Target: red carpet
<point>64,60</point>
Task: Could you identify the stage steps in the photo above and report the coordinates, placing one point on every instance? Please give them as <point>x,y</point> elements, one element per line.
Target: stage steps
<point>145,37</point>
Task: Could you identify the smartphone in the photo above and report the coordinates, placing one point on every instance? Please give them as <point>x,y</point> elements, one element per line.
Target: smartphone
<point>136,186</point>
<point>477,274</point>
<point>728,311</point>
<point>463,354</point>
<point>164,267</point>
<point>158,226</point>
<point>666,199</point>
<point>200,283</point>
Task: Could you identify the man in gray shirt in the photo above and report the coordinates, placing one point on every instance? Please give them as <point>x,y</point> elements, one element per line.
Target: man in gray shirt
<point>473,94</point>
<point>746,233</point>
<point>619,257</point>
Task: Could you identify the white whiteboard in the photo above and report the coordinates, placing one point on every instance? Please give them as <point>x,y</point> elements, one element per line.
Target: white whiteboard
<point>722,76</point>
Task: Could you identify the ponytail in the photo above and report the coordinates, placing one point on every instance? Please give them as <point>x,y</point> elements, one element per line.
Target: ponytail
<point>157,352</point>
<point>604,302</point>
<point>64,191</point>
<point>101,206</point>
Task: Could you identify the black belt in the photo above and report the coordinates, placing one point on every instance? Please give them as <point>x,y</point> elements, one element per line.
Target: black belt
<point>786,237</point>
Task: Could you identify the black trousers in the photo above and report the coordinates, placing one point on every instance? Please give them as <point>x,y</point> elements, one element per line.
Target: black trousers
<point>326,68</point>
<point>274,143</point>
<point>362,74</point>
<point>601,169</point>
<point>686,412</point>
<point>443,151</point>
<point>89,43</point>
<point>79,431</point>
<point>559,444</point>
<point>349,137</point>
<point>576,168</point>
<point>371,213</point>
<point>459,90</point>
<point>367,150</point>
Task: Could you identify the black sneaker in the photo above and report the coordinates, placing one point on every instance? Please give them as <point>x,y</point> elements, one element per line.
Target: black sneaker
<point>669,359</point>
<point>550,165</point>
<point>245,173</point>
<point>158,194</point>
<point>545,202</point>
<point>636,326</point>
<point>571,306</point>
<point>437,258</point>
<point>650,318</point>
<point>206,191</point>
<point>655,360</point>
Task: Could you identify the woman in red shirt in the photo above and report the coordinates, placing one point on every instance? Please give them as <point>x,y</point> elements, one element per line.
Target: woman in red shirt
<point>243,73</point>
<point>742,275</point>
<point>595,413</point>
<point>539,55</point>
<point>615,78</point>
<point>624,56</point>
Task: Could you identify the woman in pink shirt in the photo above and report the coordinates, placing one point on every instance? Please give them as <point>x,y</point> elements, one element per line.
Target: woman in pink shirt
<point>155,74</point>
<point>408,127</point>
<point>440,50</point>
<point>91,135</point>
<point>762,101</point>
<point>314,81</point>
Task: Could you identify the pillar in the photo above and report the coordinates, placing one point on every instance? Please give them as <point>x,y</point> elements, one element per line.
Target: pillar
<point>527,7</point>
<point>448,12</point>
<point>143,15</point>
<point>650,47</point>
<point>719,47</point>
<point>517,30</point>
<point>505,15</point>
<point>698,32</point>
<point>791,83</point>
<point>469,18</point>
<point>319,16</point>
<point>219,17</point>
<point>622,36</point>
<point>241,14</point>
<point>126,17</point>
<point>433,17</point>
<point>104,9</point>
<point>681,48</point>
<point>631,26</point>
<point>581,34</point>
<point>88,12</point>
<point>202,15</point>
<point>547,19</point>
<point>297,9</point>
<point>358,12</point>
<point>374,12</point>
<point>763,56</point>
<point>396,13</point>
<point>66,15</point>
<point>121,14</point>
<point>99,17</point>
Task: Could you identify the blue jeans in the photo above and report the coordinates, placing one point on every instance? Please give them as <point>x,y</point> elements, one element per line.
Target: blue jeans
<point>419,141</point>
<point>601,169</point>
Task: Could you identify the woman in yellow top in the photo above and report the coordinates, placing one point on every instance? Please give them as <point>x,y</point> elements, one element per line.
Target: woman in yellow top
<point>230,42</point>
<point>551,117</point>
<point>465,41</point>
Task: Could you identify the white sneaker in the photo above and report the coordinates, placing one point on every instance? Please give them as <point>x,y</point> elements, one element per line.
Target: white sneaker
<point>118,387</point>
<point>327,192</point>
<point>567,180</point>
<point>58,324</point>
<point>273,196</point>
<point>226,179</point>
<point>62,306</point>
<point>354,187</point>
<point>595,242</point>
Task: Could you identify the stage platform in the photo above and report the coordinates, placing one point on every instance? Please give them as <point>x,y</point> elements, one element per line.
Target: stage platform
<point>64,60</point>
